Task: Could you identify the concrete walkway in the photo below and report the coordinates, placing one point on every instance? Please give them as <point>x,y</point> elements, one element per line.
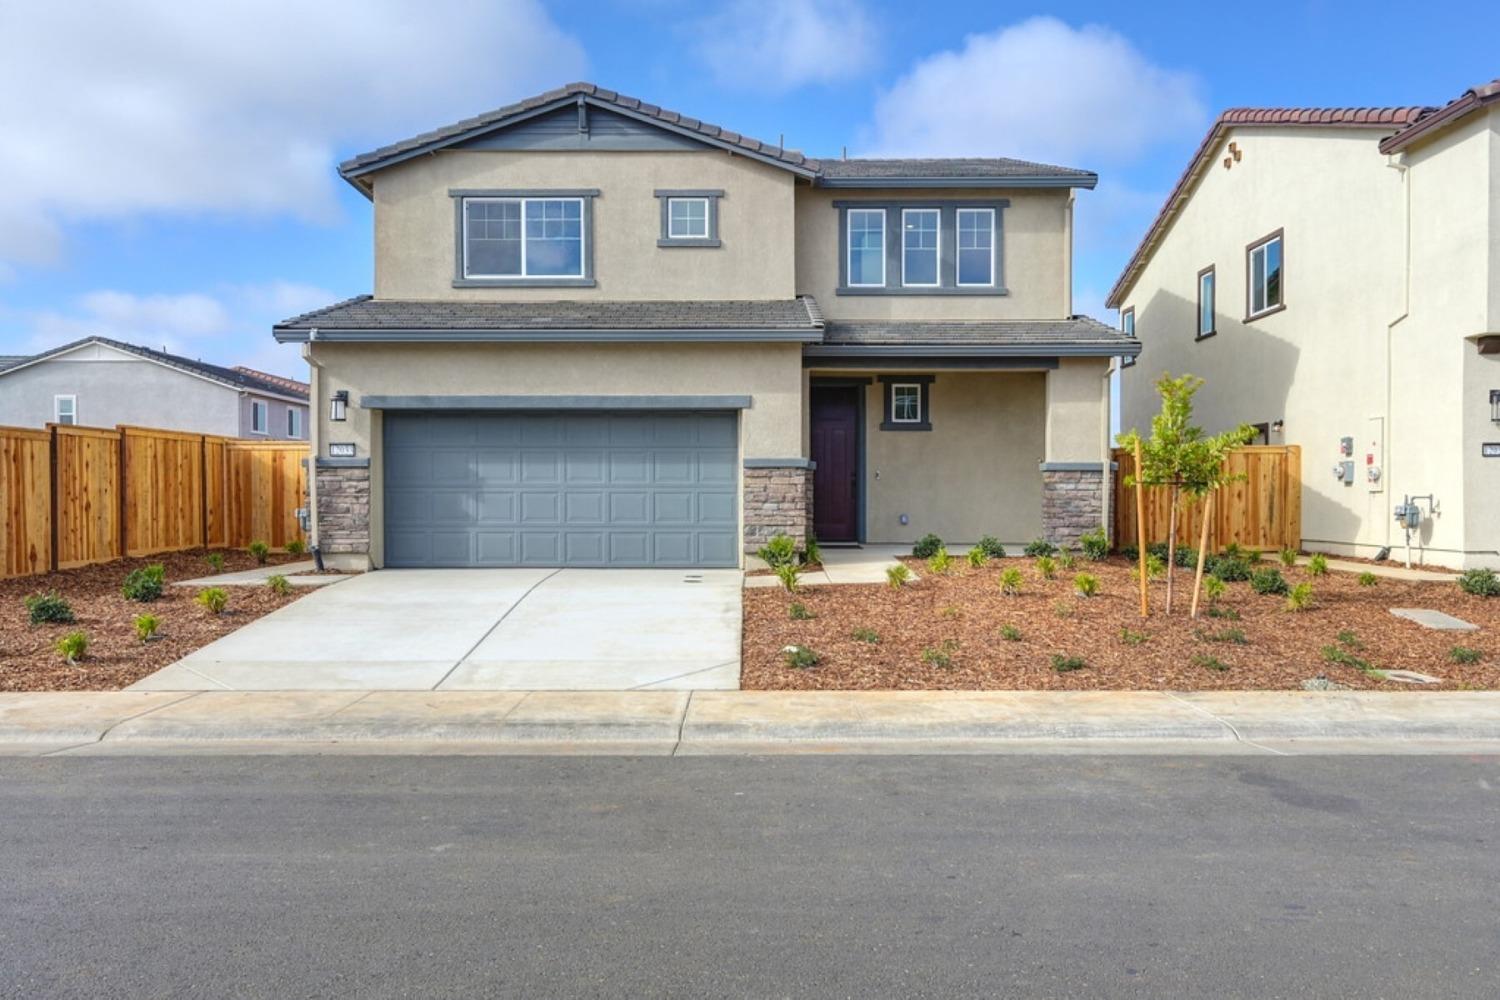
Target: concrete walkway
<point>260,574</point>
<point>708,722</point>
<point>866,564</point>
<point>1394,569</point>
<point>476,629</point>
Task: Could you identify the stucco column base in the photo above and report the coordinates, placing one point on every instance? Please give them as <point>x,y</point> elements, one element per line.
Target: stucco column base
<point>344,515</point>
<point>778,501</point>
<point>1072,504</point>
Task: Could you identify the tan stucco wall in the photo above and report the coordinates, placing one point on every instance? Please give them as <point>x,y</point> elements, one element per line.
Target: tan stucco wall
<point>415,240</point>
<point>1034,246</point>
<point>1078,411</point>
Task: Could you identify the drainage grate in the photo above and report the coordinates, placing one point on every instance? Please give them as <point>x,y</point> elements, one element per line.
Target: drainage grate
<point>693,578</point>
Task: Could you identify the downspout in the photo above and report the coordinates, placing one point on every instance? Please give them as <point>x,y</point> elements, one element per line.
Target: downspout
<point>1068,255</point>
<point>1396,163</point>
<point>314,442</point>
<point>1107,478</point>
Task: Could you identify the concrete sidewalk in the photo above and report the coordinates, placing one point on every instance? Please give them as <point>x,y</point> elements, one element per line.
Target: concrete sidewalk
<point>708,722</point>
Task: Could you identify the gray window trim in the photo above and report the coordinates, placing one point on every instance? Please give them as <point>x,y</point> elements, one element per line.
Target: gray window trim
<point>664,197</point>
<point>1211,274</point>
<point>263,407</point>
<point>888,385</point>
<point>1126,360</point>
<point>57,410</point>
<point>947,247</point>
<point>294,416</point>
<point>586,194</point>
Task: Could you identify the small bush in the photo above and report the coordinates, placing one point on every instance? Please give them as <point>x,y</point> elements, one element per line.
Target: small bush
<point>1348,638</point>
<point>1063,609</point>
<point>215,599</point>
<point>942,656</point>
<point>146,626</point>
<point>866,635</point>
<point>1063,664</point>
<point>1288,557</point>
<point>1230,569</point>
<point>1268,581</point>
<point>1480,583</point>
<point>798,612</point>
<point>215,561</point>
<point>1209,662</point>
<point>280,585</point>
<point>1255,556</point>
<point>940,562</point>
<point>1039,547</point>
<point>1131,638</point>
<point>977,558</point>
<point>1086,585</point>
<point>1046,567</point>
<point>778,552</point>
<point>1236,636</point>
<point>1213,588</point>
<point>74,646</point>
<point>1156,567</point>
<point>1182,557</point>
<point>799,657</point>
<point>1010,582</point>
<point>812,552</point>
<point>260,550</point>
<point>1368,579</point>
<point>788,574</point>
<point>1067,561</point>
<point>1130,553</point>
<point>897,576</point>
<point>1465,655</point>
<point>1341,656</point>
<point>1095,545</point>
<point>1300,598</point>
<point>991,547</point>
<point>1227,614</point>
<point>144,584</point>
<point>1317,565</point>
<point>296,547</point>
<point>1010,633</point>
<point>927,546</point>
<point>48,609</point>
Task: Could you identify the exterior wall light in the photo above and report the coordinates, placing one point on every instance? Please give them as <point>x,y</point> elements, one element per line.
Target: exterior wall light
<point>338,405</point>
<point>1277,426</point>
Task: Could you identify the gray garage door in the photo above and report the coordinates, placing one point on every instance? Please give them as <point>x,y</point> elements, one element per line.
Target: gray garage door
<point>561,489</point>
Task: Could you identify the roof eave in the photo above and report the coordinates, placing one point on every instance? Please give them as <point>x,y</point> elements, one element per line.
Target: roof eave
<point>588,335</point>
<point>1439,120</point>
<point>1087,181</point>
<point>1097,349</point>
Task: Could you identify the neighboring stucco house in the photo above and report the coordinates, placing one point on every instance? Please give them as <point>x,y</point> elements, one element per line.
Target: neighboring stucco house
<point>100,382</point>
<point>605,334</point>
<point>1334,275</point>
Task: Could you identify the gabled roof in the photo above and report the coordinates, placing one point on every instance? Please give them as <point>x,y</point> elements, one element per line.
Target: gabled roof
<point>1386,119</point>
<point>368,319</point>
<point>957,172</point>
<point>290,384</point>
<point>245,381</point>
<point>11,360</point>
<point>1437,119</point>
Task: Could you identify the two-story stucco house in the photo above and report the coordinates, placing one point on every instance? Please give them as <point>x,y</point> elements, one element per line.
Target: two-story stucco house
<point>1334,275</point>
<point>606,334</point>
<point>102,382</point>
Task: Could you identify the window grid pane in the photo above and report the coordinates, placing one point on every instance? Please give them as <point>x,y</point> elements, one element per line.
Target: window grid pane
<point>867,247</point>
<point>687,217</point>
<point>976,247</point>
<point>919,241</point>
<point>523,237</point>
<point>906,404</point>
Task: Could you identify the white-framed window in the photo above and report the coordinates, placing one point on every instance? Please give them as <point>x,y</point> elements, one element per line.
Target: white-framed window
<point>920,228</point>
<point>65,409</point>
<point>1264,272</point>
<point>293,423</point>
<point>1127,327</point>
<point>906,403</point>
<point>1206,303</point>
<point>523,238</point>
<point>260,416</point>
<point>687,218</point>
<point>866,237</point>
<point>976,246</point>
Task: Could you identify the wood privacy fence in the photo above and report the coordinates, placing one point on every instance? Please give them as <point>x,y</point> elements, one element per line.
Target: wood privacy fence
<point>71,496</point>
<point>1261,511</point>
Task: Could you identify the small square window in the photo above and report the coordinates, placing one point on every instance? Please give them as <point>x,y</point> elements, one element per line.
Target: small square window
<point>65,409</point>
<point>687,218</point>
<point>906,403</point>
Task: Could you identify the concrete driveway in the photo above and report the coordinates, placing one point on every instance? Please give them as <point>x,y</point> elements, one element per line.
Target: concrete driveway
<point>485,630</point>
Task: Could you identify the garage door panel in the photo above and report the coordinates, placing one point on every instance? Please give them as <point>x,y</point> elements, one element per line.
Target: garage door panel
<point>553,489</point>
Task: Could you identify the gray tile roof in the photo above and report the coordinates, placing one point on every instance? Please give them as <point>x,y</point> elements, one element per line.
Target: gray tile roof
<point>271,385</point>
<point>11,360</point>
<point>964,168</point>
<point>1081,334</point>
<point>367,313</point>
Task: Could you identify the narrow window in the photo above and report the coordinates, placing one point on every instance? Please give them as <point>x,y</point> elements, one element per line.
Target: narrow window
<point>293,423</point>
<point>1206,302</point>
<point>65,409</point>
<point>1265,276</point>
<point>976,246</point>
<point>523,237</point>
<point>906,404</point>
<point>260,416</point>
<point>1127,327</point>
<point>919,247</point>
<point>687,218</point>
<point>866,247</point>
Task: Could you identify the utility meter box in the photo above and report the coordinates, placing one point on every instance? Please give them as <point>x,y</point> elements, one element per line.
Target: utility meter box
<point>1374,455</point>
<point>1409,516</point>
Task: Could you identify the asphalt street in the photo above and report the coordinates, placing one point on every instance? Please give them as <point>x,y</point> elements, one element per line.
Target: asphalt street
<point>848,876</point>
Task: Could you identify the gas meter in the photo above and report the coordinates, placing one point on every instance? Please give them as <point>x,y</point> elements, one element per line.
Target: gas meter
<point>1409,516</point>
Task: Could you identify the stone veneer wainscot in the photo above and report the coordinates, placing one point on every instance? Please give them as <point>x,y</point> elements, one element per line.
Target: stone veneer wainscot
<point>1072,501</point>
<point>778,501</point>
<point>343,508</point>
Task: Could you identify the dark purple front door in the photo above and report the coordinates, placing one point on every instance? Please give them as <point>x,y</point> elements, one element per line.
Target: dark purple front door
<point>835,448</point>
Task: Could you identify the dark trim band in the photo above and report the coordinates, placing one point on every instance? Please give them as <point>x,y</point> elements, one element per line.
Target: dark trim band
<point>780,463</point>
<point>555,402</point>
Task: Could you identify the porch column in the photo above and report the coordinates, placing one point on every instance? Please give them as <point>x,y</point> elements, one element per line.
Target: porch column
<point>1076,465</point>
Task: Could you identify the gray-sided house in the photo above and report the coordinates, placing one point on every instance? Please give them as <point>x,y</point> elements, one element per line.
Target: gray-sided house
<point>606,334</point>
<point>100,382</point>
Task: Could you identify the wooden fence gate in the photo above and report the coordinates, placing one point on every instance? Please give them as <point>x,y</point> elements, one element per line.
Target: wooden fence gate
<point>1261,511</point>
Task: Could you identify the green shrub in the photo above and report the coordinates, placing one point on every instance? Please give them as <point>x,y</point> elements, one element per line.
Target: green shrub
<point>215,561</point>
<point>1183,557</point>
<point>1010,633</point>
<point>1209,662</point>
<point>1235,636</point>
<point>1228,614</point>
<point>991,547</point>
<point>927,546</point>
<point>1288,557</point>
<point>1317,565</point>
<point>280,585</point>
<point>942,656</point>
<point>1268,581</point>
<point>1213,588</point>
<point>977,558</point>
<point>260,550</point>
<point>897,576</point>
<point>144,584</point>
<point>1039,547</point>
<point>1067,561</point>
<point>779,551</point>
<point>1095,545</point>
<point>48,609</point>
<point>1368,579</point>
<point>1086,585</point>
<point>940,562</point>
<point>1341,656</point>
<point>1348,638</point>
<point>788,574</point>
<point>1480,583</point>
<point>866,635</point>
<point>1063,664</point>
<point>812,552</point>
<point>799,657</point>
<point>74,646</point>
<point>1156,567</point>
<point>1062,609</point>
<point>1131,638</point>
<point>1230,569</point>
<point>798,612</point>
<point>1010,582</point>
<point>1130,553</point>
<point>1465,655</point>
<point>1300,598</point>
<point>296,547</point>
<point>146,626</point>
<point>1255,556</point>
<point>215,599</point>
<point>1046,567</point>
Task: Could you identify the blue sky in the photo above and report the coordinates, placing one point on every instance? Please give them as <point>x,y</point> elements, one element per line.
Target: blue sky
<point>167,170</point>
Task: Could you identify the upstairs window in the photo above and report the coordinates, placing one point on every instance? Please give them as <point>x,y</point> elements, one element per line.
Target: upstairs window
<point>65,409</point>
<point>866,247</point>
<point>293,423</point>
<point>1264,265</point>
<point>260,416</point>
<point>1206,304</point>
<point>523,238</point>
<point>687,218</point>
<point>1127,327</point>
<point>919,247</point>
<point>976,246</point>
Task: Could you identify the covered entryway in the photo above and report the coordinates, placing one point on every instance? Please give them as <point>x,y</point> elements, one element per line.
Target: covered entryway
<point>590,489</point>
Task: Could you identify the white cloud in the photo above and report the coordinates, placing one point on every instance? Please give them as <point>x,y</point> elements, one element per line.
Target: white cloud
<point>1040,90</point>
<point>237,107</point>
<point>773,46</point>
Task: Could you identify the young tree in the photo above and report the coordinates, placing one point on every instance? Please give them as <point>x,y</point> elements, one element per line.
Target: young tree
<point>1180,458</point>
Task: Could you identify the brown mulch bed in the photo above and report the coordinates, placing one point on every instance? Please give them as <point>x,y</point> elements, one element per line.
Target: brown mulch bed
<point>116,658</point>
<point>961,615</point>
